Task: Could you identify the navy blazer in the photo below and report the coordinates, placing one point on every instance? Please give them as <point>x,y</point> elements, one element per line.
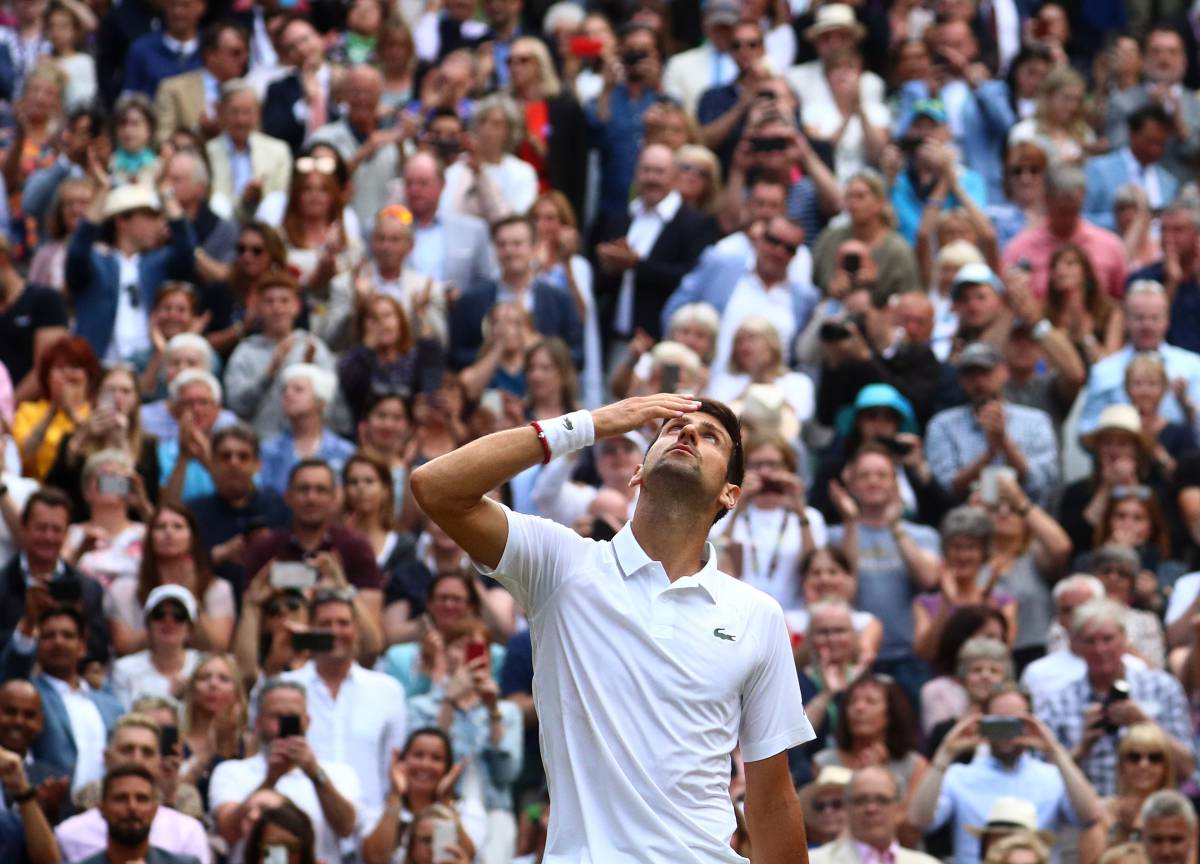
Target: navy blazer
<point>56,745</point>
<point>150,61</point>
<point>554,314</point>
<point>94,277</point>
<point>284,101</point>
<point>12,606</point>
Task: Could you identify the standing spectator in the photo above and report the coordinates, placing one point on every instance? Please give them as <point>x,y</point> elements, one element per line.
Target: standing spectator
<point>1146,767</point>
<point>308,392</point>
<point>129,804</point>
<point>488,181</point>
<point>190,100</point>
<point>246,165</point>
<point>1179,272</point>
<point>357,715</point>
<point>173,50</point>
<point>723,108</point>
<point>689,74</point>
<point>302,101</point>
<point>170,615</point>
<point>1139,162</point>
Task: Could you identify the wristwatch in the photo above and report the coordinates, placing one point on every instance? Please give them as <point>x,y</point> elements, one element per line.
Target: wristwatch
<point>28,794</point>
<point>320,778</point>
<point>1041,330</point>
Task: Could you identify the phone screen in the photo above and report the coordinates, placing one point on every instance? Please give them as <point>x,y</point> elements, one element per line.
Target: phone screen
<point>289,725</point>
<point>476,648</point>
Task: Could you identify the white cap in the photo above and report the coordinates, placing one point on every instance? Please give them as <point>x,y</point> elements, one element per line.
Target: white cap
<point>177,593</point>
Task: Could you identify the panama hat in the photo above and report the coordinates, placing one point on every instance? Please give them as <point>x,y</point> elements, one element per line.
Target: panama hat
<point>834,16</point>
<point>1007,815</point>
<point>131,196</point>
<point>1118,418</point>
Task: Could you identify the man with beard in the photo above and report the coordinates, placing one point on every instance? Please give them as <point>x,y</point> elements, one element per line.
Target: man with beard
<point>128,804</point>
<point>666,662</point>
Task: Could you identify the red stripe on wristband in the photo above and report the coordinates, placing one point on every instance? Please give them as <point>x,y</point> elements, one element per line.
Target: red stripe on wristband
<point>542,440</point>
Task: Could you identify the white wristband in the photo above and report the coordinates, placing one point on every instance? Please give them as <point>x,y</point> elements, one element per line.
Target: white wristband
<point>567,433</point>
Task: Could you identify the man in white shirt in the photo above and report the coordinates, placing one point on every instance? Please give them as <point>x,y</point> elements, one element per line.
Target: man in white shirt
<point>653,666</point>
<point>357,716</point>
<point>328,792</point>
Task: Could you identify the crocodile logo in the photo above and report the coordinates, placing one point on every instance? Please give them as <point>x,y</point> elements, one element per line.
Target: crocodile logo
<point>567,422</point>
<point>720,633</point>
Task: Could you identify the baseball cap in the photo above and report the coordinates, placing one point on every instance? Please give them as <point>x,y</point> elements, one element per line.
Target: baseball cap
<point>979,355</point>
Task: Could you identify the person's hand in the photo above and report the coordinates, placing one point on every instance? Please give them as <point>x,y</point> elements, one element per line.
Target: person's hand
<point>914,459</point>
<point>1092,715</point>
<point>947,585</point>
<point>486,687</point>
<point>460,684</point>
<point>977,73</point>
<point>743,157</point>
<point>259,590</point>
<point>37,601</point>
<point>616,256</point>
<point>631,414</point>
<point>962,737</point>
<point>1010,491</point>
<point>1036,735</point>
<point>793,491</point>
<point>330,570</point>
<point>300,753</point>
<point>752,486</point>
<point>991,418</point>
<point>280,354</point>
<point>891,161</point>
<point>445,787</point>
<point>1020,297</point>
<point>157,340</point>
<point>872,754</point>
<point>844,84</point>
<point>51,793</point>
<point>1179,387</point>
<point>832,674</point>
<point>12,771</point>
<point>231,551</point>
<point>1125,712</point>
<point>893,512</point>
<point>397,774</point>
<point>279,760</point>
<point>197,445</point>
<point>252,194</point>
<point>94,537</point>
<point>641,343</point>
<point>846,506</point>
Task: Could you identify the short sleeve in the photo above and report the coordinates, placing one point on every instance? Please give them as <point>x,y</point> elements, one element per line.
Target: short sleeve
<point>218,599</point>
<point>773,717</point>
<point>537,557</point>
<point>226,787</point>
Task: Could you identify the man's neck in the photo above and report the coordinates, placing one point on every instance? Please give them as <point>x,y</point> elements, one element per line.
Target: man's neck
<point>1063,232</point>
<point>879,844</point>
<point>333,672</point>
<point>240,143</point>
<point>68,676</point>
<point>390,273</point>
<point>769,279</point>
<point>424,220</point>
<point>872,516</point>
<point>277,336</point>
<point>182,36</point>
<point>673,535</point>
<point>517,282</point>
<point>125,246</point>
<point>1101,683</point>
<point>42,566</point>
<point>192,210</point>
<point>308,536</point>
<point>238,500</point>
<point>127,855</point>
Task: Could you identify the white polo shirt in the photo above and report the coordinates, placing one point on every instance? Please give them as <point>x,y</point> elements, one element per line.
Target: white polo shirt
<point>644,688</point>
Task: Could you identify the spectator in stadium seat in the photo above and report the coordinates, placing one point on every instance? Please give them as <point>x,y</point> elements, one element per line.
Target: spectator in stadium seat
<point>308,391</point>
<point>191,100</point>
<point>1138,162</point>
<point>301,102</point>
<point>129,804</point>
<point>187,175</point>
<point>1179,272</point>
<point>1168,827</point>
<point>246,164</point>
<point>171,51</point>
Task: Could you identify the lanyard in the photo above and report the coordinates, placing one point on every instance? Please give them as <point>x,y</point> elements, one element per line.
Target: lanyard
<point>774,559</point>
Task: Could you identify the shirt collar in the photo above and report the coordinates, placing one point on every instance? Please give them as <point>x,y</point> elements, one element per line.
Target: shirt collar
<point>867,852</point>
<point>631,558</point>
<point>188,47</point>
<point>665,209</point>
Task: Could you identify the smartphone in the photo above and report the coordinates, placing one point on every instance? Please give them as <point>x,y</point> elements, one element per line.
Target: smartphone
<point>114,484</point>
<point>995,727</point>
<point>670,378</point>
<point>476,648</point>
<point>769,144</point>
<point>445,835</point>
<point>316,641</point>
<point>275,854</point>
<point>585,46</point>
<point>852,262</point>
<point>989,482</point>
<point>293,574</point>
<point>168,739</point>
<point>900,448</point>
<point>68,590</point>
<point>289,725</point>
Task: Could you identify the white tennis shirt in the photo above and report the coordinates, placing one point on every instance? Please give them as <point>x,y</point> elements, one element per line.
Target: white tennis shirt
<point>643,689</point>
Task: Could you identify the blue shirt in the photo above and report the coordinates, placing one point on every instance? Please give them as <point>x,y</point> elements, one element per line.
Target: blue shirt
<point>619,140</point>
<point>150,60</point>
<point>279,455</point>
<point>196,479</point>
<point>909,205</point>
<point>1106,384</point>
<point>240,168</point>
<point>428,256</point>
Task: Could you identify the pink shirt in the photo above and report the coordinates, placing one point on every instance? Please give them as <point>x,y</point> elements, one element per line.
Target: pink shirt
<point>86,834</point>
<point>868,854</point>
<point>1037,245</point>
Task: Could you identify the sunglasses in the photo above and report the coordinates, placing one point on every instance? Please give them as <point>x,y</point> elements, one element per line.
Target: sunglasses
<point>291,603</point>
<point>1018,170</point>
<point>693,169</point>
<point>1141,493</point>
<point>320,164</point>
<point>832,805</point>
<point>746,43</point>
<point>244,249</point>
<point>176,614</point>
<point>1134,757</point>
<point>781,243</point>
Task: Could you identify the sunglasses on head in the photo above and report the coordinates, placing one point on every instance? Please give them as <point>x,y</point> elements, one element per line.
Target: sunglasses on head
<point>320,164</point>
<point>1141,493</point>
<point>395,211</point>
<point>175,613</point>
<point>1134,757</point>
<point>290,602</point>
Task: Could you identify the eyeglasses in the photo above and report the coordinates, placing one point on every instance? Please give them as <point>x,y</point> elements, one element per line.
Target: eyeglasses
<point>246,249</point>
<point>1141,493</point>
<point>1134,757</point>
<point>738,44</point>
<point>320,164</point>
<point>781,243</point>
<point>1018,170</point>
<point>290,602</point>
<point>161,613</point>
<point>833,804</point>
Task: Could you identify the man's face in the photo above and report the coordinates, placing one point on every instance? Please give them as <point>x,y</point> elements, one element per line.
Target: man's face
<point>279,308</point>
<point>655,174</point>
<point>767,200</point>
<point>20,716</point>
<point>776,248</point>
<point>228,59</point>
<point>128,809</point>
<point>239,114</point>
<point>386,425</point>
<point>834,40</point>
<point>514,250</point>
<point>60,646</point>
<point>1166,60</point>
<point>1068,602</point>
<point>616,460</point>
<point>1007,705</point>
<point>981,383</point>
<point>1168,840</point>
<point>182,16</point>
<point>693,449</point>
<point>233,469</point>
<point>338,617</point>
<point>977,306</point>
<point>45,530</point>
<point>299,398</point>
<point>390,244</point>
<point>1149,143</point>
<point>312,496</point>
<point>197,400</point>
<point>181,176</point>
<point>874,808</point>
<point>1179,233</point>
<point>363,91</point>
<point>1148,321</point>
<point>301,45</point>
<point>873,480</point>
<point>278,703</point>
<point>134,745</point>
<point>1101,645</point>
<point>956,36</point>
<point>914,314</point>
<point>422,187</point>
<point>747,47</point>
<point>140,227</point>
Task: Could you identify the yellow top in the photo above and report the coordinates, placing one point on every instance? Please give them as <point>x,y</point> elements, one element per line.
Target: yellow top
<point>29,415</point>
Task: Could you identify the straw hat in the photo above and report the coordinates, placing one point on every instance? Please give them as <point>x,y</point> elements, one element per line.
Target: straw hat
<point>764,407</point>
<point>834,16</point>
<point>1007,815</point>
<point>131,196</point>
<point>1118,418</point>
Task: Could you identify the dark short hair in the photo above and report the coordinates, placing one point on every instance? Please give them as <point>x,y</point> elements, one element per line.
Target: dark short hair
<point>963,623</point>
<point>47,496</point>
<point>433,732</point>
<point>211,37</point>
<point>735,468</point>
<point>310,462</point>
<point>839,556</point>
<point>291,819</point>
<point>239,431</point>
<point>62,610</point>
<point>1151,113</point>
<point>126,769</point>
<point>513,219</point>
<point>377,398</point>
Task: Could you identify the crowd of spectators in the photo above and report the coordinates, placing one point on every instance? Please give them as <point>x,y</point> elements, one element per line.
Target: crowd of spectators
<point>260,259</point>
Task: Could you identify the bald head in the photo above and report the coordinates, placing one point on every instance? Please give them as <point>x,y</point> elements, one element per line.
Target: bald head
<point>655,173</point>
<point>20,715</point>
<point>914,314</point>
<point>364,88</point>
<point>422,186</point>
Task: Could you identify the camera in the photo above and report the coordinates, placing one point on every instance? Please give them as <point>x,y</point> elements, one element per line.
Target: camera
<point>1119,692</point>
<point>768,144</point>
<point>852,263</point>
<point>838,329</point>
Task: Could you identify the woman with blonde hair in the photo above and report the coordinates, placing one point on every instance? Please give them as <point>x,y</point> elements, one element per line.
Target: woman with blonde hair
<point>554,137</point>
<point>1020,847</point>
<point>757,358</point>
<point>698,177</point>
<point>1144,765</point>
<point>694,325</point>
<point>1125,853</point>
<point>215,714</point>
<point>1060,124</point>
<point>1147,384</point>
<point>39,114</point>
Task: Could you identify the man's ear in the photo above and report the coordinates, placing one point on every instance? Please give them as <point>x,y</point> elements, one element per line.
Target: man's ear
<point>636,479</point>
<point>729,496</point>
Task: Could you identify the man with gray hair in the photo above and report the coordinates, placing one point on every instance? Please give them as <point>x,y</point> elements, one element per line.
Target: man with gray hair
<point>328,792</point>
<point>1147,319</point>
<point>246,164</point>
<point>875,808</point>
<point>184,461</point>
<point>186,173</point>
<point>1064,223</point>
<point>1089,714</point>
<point>1179,271</point>
<point>308,391</point>
<point>1062,665</point>
<point>1168,828</point>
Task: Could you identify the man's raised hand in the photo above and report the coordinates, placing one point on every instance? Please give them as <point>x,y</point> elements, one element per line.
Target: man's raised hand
<point>630,414</point>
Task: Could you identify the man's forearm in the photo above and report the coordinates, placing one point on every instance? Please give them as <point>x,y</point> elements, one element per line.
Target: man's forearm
<point>1084,800</point>
<point>776,829</point>
<point>339,812</point>
<point>458,480</point>
<point>924,801</point>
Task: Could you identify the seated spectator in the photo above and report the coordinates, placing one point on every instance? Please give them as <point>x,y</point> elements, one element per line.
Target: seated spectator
<point>1139,162</point>
<point>234,305</point>
<point>67,376</point>
<point>1178,271</point>
<point>133,159</point>
<point>184,350</point>
<point>109,544</point>
<point>327,792</point>
<point>1064,223</point>
<point>195,399</point>
<point>25,835</point>
<point>173,555</point>
<point>1145,766</point>
<point>163,53</point>
<point>1116,564</point>
<point>1024,188</point>
<point>1169,827</point>
<point>170,613</point>
<point>191,100</point>
<point>693,325</point>
<point>975,666</point>
<point>876,808</point>
<point>1077,304</point>
<point>772,494</point>
<point>756,354</point>
<point>213,719</point>
<point>964,795</point>
<point>176,313</point>
<point>308,391</point>
<point>77,718</point>
<point>833,662</point>
<point>282,825</point>
<point>320,244</point>
<point>391,355</point>
<point>1082,714</point>
<point>72,200</point>
<point>490,182</point>
<point>824,804</point>
<point>44,522</point>
<point>252,375</point>
<point>247,166</point>
<point>962,442</point>
<point>113,286</point>
<point>420,836</point>
<point>383,435</point>
<point>825,575</point>
<point>1059,126</point>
